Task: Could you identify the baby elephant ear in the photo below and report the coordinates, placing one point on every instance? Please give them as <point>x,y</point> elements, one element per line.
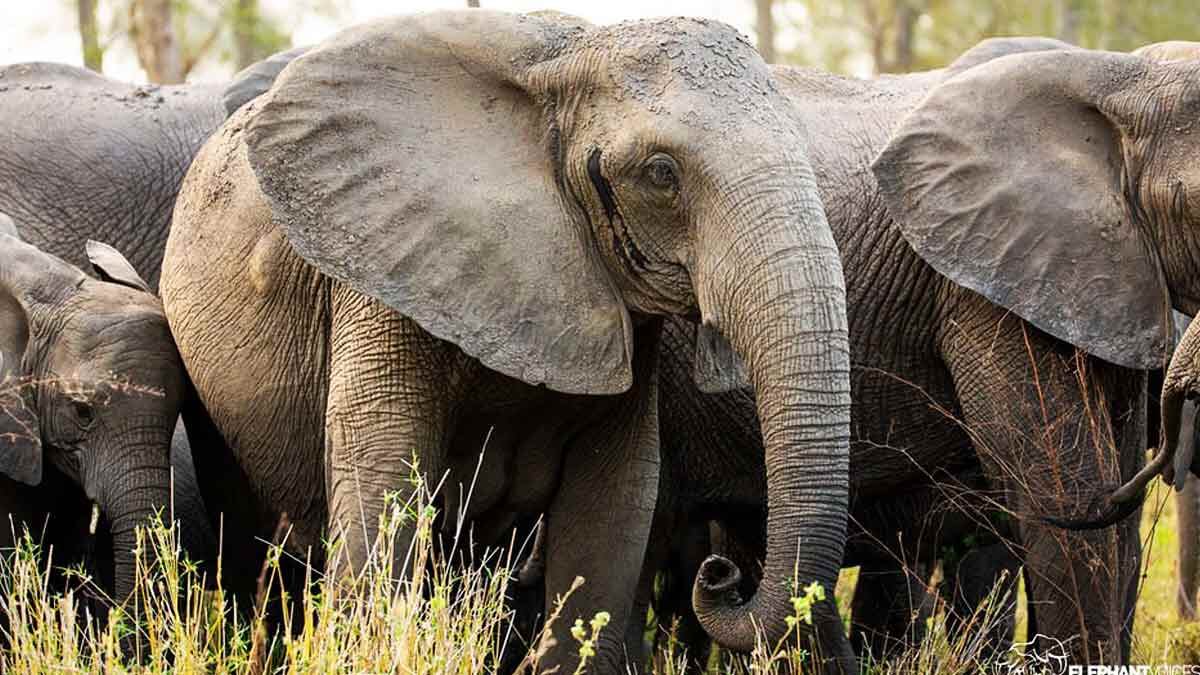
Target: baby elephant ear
<point>20,438</point>
<point>109,265</point>
<point>408,159</point>
<point>20,433</point>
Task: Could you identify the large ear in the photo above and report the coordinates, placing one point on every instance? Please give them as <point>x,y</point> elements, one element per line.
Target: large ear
<point>109,265</point>
<point>1007,179</point>
<point>20,433</point>
<point>407,159</point>
<point>255,79</point>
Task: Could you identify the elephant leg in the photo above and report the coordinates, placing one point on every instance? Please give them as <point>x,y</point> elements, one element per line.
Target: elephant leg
<point>891,604</point>
<point>598,525</point>
<point>1187,504</point>
<point>384,422</point>
<point>1055,429</point>
<point>234,513</point>
<point>691,544</point>
<point>969,581</point>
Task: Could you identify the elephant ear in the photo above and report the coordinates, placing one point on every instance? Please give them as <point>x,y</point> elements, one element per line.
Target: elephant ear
<point>1007,179</point>
<point>718,367</point>
<point>255,79</point>
<point>408,159</point>
<point>109,265</point>
<point>20,432</point>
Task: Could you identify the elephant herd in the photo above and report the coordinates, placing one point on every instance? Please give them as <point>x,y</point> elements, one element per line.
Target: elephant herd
<point>712,327</point>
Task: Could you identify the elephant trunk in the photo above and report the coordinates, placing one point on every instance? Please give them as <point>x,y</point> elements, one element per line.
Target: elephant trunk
<point>130,491</point>
<point>1180,383</point>
<point>777,294</point>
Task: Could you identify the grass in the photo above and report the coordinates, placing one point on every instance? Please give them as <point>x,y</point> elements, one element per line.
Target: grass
<point>449,618</point>
<point>1160,637</point>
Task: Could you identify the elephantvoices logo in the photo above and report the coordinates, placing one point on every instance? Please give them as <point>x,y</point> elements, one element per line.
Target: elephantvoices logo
<point>1051,658</point>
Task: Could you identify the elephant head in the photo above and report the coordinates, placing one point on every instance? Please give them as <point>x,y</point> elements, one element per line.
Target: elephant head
<point>529,188</point>
<point>1062,185</point>
<point>91,383</point>
<point>1171,50</point>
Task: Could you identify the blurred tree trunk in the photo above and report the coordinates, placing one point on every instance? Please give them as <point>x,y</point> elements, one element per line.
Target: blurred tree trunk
<point>247,48</point>
<point>153,33</point>
<point>906,23</point>
<point>89,35</point>
<point>1068,20</point>
<point>765,28</point>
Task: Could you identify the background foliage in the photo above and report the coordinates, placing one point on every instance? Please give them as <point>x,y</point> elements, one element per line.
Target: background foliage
<point>866,37</point>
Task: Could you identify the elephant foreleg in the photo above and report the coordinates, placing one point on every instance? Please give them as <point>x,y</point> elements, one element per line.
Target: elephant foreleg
<point>891,604</point>
<point>1187,504</point>
<point>1054,429</point>
<point>598,525</point>
<point>984,573</point>
<point>384,422</point>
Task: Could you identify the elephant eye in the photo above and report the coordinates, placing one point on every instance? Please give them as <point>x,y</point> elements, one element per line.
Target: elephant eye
<point>83,412</point>
<point>662,172</point>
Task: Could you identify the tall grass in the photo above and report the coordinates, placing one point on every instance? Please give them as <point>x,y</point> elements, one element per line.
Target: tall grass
<point>449,617</point>
<point>446,619</point>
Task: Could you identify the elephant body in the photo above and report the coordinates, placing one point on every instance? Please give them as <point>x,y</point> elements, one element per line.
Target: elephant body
<point>970,424</point>
<point>477,260</point>
<point>87,157</point>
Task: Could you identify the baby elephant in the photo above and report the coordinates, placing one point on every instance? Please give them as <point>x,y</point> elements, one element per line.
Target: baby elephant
<point>90,390</point>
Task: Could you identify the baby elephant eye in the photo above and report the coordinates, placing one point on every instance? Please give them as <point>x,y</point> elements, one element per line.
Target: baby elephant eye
<point>662,172</point>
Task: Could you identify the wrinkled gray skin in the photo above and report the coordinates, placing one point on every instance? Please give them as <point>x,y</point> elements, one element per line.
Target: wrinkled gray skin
<point>91,396</point>
<point>1187,500</point>
<point>86,157</point>
<point>964,321</point>
<point>479,250</point>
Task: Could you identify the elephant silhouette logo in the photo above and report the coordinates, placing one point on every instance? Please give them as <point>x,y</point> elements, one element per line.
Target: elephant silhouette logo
<point>1049,659</point>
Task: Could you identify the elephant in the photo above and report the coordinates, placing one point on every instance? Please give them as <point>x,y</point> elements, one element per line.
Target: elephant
<point>481,251</point>
<point>87,157</point>
<point>1187,500</point>
<point>91,392</point>
<point>981,343</point>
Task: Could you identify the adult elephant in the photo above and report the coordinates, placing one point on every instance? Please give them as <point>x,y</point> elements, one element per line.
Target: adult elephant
<point>484,242</point>
<point>1187,499</point>
<point>86,157</point>
<point>90,391</point>
<point>985,363</point>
